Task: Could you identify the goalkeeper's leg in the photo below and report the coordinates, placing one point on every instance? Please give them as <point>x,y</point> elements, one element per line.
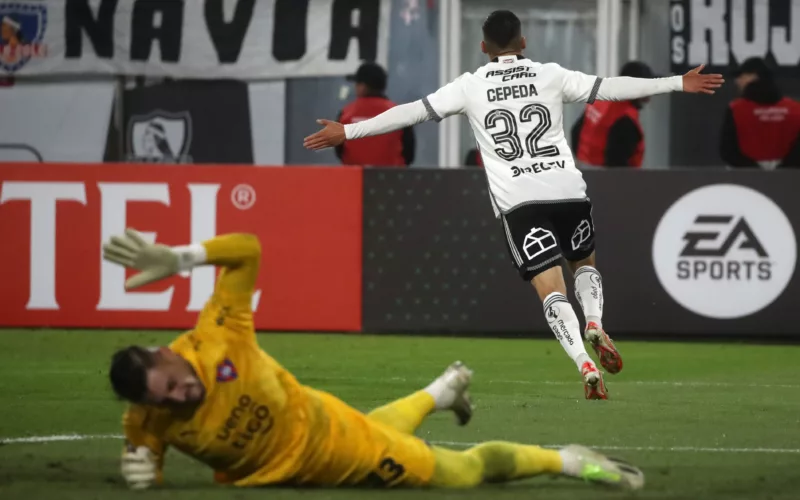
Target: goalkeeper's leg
<point>499,462</point>
<point>447,392</point>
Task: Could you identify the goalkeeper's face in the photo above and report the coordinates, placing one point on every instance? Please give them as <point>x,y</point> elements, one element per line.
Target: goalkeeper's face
<point>171,381</point>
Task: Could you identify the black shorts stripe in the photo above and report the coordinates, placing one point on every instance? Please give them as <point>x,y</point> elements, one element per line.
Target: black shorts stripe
<point>511,245</point>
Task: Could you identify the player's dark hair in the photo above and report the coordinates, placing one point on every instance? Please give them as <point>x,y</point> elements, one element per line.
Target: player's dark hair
<point>128,372</point>
<point>502,30</point>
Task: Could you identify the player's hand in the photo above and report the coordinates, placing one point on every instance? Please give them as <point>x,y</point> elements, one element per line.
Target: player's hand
<point>139,468</point>
<point>331,135</point>
<point>155,262</point>
<point>696,83</point>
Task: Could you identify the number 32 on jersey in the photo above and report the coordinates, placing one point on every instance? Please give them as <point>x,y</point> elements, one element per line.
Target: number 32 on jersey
<point>508,139</point>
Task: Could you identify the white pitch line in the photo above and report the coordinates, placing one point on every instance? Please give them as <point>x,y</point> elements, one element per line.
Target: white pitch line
<point>680,449</point>
<point>460,444</point>
<point>57,438</point>
<point>566,382</point>
<point>421,380</point>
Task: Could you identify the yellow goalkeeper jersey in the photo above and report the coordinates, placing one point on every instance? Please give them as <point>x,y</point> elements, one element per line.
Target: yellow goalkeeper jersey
<point>257,424</point>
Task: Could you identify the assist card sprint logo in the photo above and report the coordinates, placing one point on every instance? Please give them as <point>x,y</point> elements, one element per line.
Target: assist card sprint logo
<point>724,251</point>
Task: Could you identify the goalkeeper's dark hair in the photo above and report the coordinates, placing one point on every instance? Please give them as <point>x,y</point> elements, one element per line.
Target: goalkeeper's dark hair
<point>502,30</point>
<point>128,372</point>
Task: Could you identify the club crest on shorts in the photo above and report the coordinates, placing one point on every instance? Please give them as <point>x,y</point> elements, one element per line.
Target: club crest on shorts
<point>22,28</point>
<point>582,234</point>
<point>226,372</point>
<point>537,242</point>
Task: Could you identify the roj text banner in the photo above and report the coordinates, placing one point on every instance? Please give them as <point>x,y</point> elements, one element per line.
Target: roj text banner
<point>722,34</point>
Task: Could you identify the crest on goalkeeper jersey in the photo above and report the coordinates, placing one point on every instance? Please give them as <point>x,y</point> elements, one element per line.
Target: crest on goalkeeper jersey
<point>226,372</point>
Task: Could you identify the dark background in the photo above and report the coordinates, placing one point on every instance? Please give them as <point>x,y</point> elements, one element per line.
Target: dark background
<point>695,121</point>
<point>435,259</point>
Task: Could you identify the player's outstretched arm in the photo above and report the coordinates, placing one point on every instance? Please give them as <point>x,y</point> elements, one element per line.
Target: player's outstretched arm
<point>581,87</point>
<point>334,133</point>
<point>447,101</point>
<point>695,82</point>
<point>625,88</point>
<point>234,252</point>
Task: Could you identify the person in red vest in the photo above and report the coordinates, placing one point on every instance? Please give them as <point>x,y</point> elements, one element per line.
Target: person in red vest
<point>762,127</point>
<point>609,134</point>
<point>473,158</point>
<point>391,150</point>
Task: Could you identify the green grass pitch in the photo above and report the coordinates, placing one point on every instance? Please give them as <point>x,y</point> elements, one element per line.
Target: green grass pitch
<point>710,421</point>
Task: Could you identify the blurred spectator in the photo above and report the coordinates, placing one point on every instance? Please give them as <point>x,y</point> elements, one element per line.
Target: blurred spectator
<point>390,150</point>
<point>609,133</point>
<point>762,127</point>
<point>473,158</point>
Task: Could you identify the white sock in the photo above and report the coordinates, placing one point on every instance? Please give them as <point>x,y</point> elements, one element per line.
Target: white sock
<point>589,292</point>
<point>441,393</point>
<point>564,323</point>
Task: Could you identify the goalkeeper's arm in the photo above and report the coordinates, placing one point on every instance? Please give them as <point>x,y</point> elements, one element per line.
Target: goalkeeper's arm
<point>142,461</point>
<point>238,254</point>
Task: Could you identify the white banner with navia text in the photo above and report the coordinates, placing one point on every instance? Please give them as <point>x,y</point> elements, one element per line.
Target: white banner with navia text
<point>241,39</point>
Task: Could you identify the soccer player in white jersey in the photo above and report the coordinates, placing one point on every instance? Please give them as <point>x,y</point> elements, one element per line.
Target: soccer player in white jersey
<point>515,108</point>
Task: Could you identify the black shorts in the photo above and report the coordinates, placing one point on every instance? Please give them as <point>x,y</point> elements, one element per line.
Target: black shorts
<point>539,235</point>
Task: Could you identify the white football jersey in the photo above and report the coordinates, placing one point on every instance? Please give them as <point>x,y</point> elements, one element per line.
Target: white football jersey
<point>515,108</point>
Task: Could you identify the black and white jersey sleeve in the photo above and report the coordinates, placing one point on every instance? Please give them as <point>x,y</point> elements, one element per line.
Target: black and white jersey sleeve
<point>579,87</point>
<point>447,101</point>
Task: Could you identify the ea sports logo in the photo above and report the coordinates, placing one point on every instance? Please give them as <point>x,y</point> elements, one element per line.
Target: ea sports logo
<point>724,251</point>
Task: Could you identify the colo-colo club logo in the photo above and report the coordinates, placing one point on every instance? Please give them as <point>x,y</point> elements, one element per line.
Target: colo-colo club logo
<point>724,251</point>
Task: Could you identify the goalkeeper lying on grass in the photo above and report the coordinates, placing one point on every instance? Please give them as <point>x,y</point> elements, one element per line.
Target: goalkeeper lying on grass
<point>216,396</point>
